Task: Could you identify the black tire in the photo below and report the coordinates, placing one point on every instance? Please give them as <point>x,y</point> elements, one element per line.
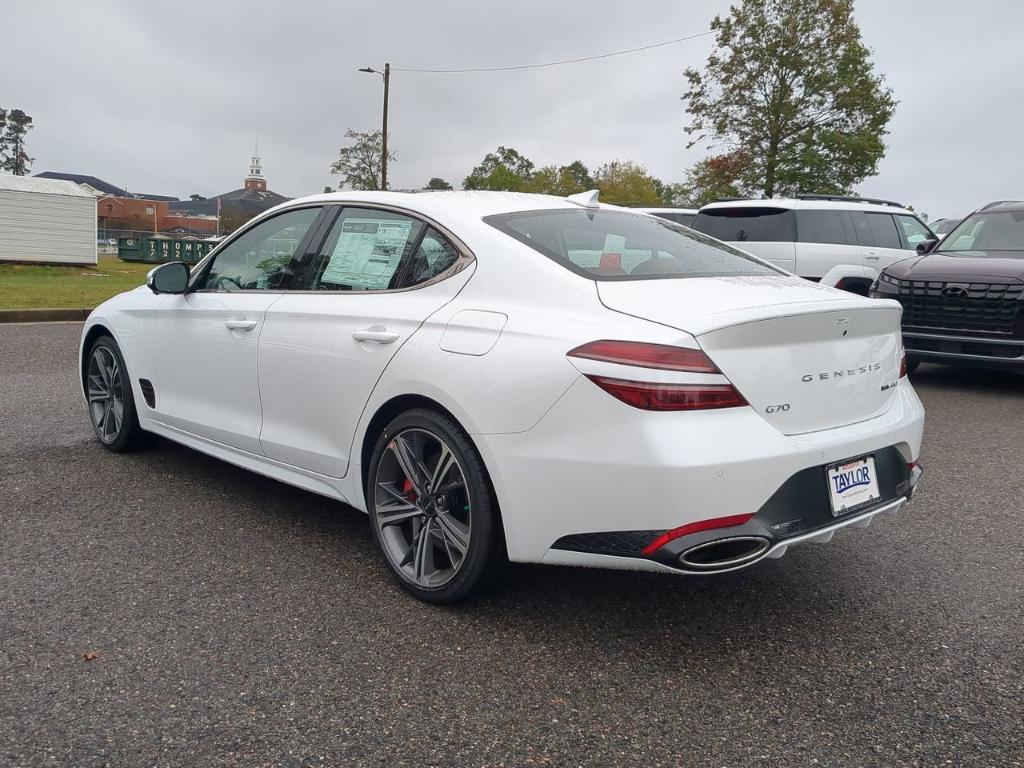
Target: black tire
<point>485,555</point>
<point>116,435</point>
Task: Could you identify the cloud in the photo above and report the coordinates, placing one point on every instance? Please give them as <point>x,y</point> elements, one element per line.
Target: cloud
<point>168,98</point>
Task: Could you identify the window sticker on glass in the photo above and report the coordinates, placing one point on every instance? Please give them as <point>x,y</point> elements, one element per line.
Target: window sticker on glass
<point>367,253</point>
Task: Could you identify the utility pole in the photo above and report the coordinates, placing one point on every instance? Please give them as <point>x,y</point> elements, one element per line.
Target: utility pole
<point>386,74</point>
<point>384,135</point>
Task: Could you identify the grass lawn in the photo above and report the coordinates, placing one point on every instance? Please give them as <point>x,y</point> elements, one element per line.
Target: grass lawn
<point>30,286</point>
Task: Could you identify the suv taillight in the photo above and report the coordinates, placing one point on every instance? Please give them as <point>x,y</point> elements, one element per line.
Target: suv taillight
<point>654,395</point>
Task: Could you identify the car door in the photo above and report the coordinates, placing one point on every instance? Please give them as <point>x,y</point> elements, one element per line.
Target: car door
<point>879,238</point>
<point>825,239</point>
<point>205,341</point>
<point>377,276</point>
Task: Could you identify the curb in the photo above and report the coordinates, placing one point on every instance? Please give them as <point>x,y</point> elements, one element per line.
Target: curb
<point>42,315</point>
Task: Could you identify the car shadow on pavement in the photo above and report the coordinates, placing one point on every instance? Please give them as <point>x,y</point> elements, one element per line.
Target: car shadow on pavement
<point>976,379</point>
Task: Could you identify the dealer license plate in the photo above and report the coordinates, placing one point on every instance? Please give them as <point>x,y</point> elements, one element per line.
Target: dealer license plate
<point>852,484</point>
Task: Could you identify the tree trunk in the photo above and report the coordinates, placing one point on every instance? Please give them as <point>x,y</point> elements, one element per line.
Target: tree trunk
<point>770,163</point>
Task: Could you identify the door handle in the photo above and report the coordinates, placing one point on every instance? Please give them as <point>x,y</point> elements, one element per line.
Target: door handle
<point>240,325</point>
<point>871,255</point>
<point>377,334</point>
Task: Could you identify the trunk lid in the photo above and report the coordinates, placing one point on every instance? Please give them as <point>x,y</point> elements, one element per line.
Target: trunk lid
<point>806,357</point>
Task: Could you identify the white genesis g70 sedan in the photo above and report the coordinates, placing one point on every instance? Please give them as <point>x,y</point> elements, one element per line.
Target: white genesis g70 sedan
<point>495,376</point>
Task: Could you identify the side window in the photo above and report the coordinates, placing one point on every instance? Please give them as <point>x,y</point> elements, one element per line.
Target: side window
<point>433,257</point>
<point>824,227</point>
<point>877,230</point>
<point>914,231</point>
<point>364,250</point>
<point>257,259</point>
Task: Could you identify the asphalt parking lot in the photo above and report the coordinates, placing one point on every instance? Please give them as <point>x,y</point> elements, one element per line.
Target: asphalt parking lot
<point>236,621</point>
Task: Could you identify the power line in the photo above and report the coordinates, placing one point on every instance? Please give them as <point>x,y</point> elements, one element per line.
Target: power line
<point>551,63</point>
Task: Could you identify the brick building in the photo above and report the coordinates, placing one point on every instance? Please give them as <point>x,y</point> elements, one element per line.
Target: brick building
<point>118,210</point>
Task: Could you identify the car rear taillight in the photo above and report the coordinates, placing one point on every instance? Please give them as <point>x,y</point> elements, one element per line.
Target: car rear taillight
<point>644,355</point>
<point>656,395</point>
<point>903,364</point>
<point>697,527</point>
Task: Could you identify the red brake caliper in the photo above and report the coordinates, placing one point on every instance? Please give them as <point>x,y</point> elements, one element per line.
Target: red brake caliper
<point>407,490</point>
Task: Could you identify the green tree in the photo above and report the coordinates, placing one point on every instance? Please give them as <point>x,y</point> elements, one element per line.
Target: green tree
<point>327,190</point>
<point>792,86</point>
<point>712,178</point>
<point>195,197</point>
<point>13,157</point>
<point>505,169</point>
<point>437,182</point>
<point>623,181</point>
<point>561,181</point>
<point>359,163</point>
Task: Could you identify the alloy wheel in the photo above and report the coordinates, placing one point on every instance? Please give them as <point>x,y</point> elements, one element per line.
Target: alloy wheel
<point>422,508</point>
<point>104,391</point>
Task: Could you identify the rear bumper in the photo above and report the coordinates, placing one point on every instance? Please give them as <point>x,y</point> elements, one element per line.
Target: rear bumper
<point>964,350</point>
<point>798,511</point>
<point>594,465</point>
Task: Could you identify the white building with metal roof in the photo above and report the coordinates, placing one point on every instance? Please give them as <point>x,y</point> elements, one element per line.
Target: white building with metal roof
<point>46,221</point>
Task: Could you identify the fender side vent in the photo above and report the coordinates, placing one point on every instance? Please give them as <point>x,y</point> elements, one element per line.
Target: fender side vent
<point>147,392</point>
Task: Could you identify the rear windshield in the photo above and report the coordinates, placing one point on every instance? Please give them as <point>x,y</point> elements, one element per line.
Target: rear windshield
<point>615,245</point>
<point>747,224</point>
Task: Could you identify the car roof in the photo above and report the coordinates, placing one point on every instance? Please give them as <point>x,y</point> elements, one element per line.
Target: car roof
<point>1003,205</point>
<point>810,203</point>
<point>460,204</point>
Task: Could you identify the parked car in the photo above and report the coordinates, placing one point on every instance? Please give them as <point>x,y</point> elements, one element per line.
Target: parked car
<point>494,375</point>
<point>838,241</point>
<point>684,216</point>
<point>963,299</point>
<point>942,227</point>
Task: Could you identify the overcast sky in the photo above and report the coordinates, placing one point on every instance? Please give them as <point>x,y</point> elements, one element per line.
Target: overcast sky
<point>167,97</point>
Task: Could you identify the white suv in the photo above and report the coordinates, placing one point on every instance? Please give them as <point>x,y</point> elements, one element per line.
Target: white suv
<point>840,241</point>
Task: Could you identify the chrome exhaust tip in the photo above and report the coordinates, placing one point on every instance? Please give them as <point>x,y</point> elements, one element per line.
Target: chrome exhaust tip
<point>725,553</point>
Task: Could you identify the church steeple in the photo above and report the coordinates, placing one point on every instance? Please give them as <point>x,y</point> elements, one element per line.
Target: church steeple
<point>255,178</point>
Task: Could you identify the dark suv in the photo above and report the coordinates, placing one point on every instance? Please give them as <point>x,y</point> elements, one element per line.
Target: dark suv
<point>963,297</point>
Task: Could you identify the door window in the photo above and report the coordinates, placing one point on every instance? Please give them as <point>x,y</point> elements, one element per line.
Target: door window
<point>256,260</point>
<point>877,230</point>
<point>434,255</point>
<point>914,231</point>
<point>364,251</point>
<point>824,227</point>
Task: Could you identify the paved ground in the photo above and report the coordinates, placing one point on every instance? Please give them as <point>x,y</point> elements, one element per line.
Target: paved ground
<point>239,622</point>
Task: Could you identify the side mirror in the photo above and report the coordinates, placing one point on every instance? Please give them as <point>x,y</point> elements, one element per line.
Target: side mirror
<point>168,278</point>
<point>925,246</point>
